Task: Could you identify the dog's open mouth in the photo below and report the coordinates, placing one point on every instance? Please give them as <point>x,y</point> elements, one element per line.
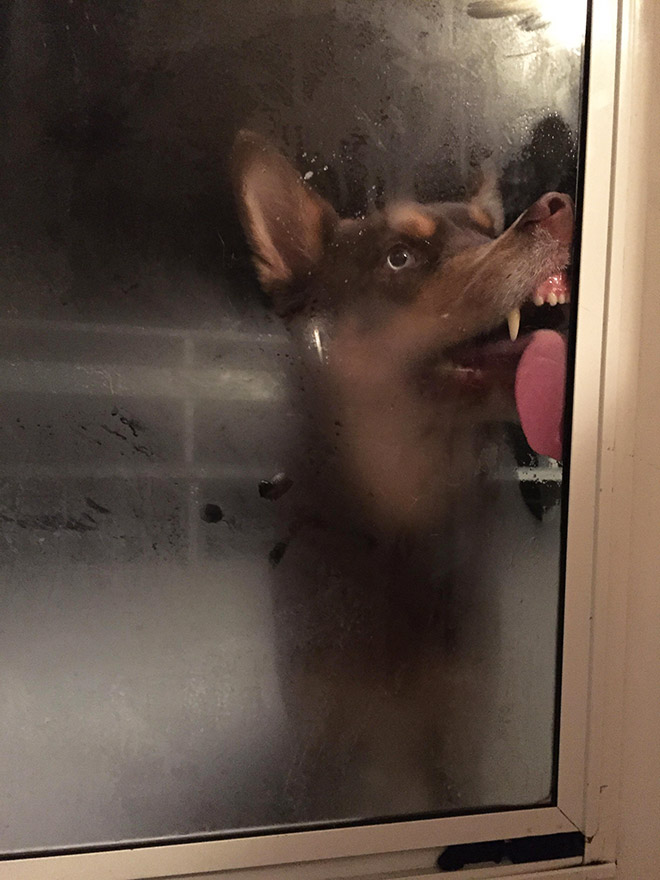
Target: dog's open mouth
<point>527,356</point>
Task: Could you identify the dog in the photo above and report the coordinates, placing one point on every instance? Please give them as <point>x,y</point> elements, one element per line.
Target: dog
<point>408,359</point>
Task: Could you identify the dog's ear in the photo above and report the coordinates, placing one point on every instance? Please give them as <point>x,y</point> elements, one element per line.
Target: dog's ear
<point>286,223</point>
<point>486,206</point>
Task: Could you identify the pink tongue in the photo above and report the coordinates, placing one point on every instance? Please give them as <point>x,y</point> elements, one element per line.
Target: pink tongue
<point>540,382</point>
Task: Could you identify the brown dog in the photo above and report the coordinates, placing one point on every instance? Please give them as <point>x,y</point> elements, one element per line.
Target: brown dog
<point>406,332</point>
<point>387,310</point>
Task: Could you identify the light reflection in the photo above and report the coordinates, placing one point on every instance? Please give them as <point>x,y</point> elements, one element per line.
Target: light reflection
<point>561,21</point>
<point>566,21</point>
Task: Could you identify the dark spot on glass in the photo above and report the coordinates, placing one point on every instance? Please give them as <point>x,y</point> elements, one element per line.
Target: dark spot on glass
<point>276,554</point>
<point>99,508</point>
<point>276,487</point>
<point>211,513</point>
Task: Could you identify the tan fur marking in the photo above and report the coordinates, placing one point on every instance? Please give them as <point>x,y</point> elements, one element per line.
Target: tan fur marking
<point>408,219</point>
<point>480,217</point>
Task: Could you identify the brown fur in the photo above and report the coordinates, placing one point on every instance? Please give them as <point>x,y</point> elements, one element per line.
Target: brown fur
<point>388,376</point>
<point>383,312</point>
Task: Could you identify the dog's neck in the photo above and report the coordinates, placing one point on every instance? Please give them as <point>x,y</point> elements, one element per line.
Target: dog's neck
<point>384,448</point>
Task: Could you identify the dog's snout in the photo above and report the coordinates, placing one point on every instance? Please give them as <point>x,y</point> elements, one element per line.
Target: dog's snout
<point>553,212</point>
<point>557,203</point>
<point>546,206</point>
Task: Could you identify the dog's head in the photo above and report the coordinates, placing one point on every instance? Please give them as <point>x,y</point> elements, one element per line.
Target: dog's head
<point>410,297</point>
<point>447,269</point>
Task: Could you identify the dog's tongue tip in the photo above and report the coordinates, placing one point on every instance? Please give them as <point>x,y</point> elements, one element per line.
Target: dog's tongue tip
<point>539,389</point>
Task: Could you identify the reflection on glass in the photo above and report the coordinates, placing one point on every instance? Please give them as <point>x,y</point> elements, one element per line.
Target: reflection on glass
<point>286,302</point>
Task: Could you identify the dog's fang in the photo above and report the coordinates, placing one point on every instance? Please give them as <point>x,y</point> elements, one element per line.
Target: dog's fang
<point>319,346</point>
<point>513,320</point>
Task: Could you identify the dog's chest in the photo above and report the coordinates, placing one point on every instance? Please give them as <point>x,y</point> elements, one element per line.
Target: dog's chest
<point>400,452</point>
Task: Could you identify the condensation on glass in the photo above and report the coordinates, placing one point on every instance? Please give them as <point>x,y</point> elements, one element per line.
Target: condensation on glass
<point>225,602</point>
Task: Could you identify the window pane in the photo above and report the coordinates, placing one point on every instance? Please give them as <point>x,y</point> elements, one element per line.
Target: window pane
<point>281,547</point>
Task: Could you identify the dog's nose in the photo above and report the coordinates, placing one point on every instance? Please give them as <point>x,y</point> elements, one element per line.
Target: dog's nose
<point>553,212</point>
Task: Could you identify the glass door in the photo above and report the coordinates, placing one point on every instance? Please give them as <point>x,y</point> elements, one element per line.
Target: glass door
<point>288,313</point>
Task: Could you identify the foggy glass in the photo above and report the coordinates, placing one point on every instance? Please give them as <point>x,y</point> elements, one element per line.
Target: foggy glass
<point>223,604</point>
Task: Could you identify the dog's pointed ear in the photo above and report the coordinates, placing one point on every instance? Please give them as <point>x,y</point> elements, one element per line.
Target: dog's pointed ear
<point>286,223</point>
<point>486,206</point>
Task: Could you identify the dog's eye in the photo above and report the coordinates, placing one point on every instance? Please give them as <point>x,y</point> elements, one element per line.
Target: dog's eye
<point>400,258</point>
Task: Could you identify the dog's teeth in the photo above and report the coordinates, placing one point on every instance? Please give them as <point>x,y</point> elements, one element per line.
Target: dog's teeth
<point>318,343</point>
<point>561,299</point>
<point>513,320</point>
<point>538,300</point>
<point>552,299</point>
